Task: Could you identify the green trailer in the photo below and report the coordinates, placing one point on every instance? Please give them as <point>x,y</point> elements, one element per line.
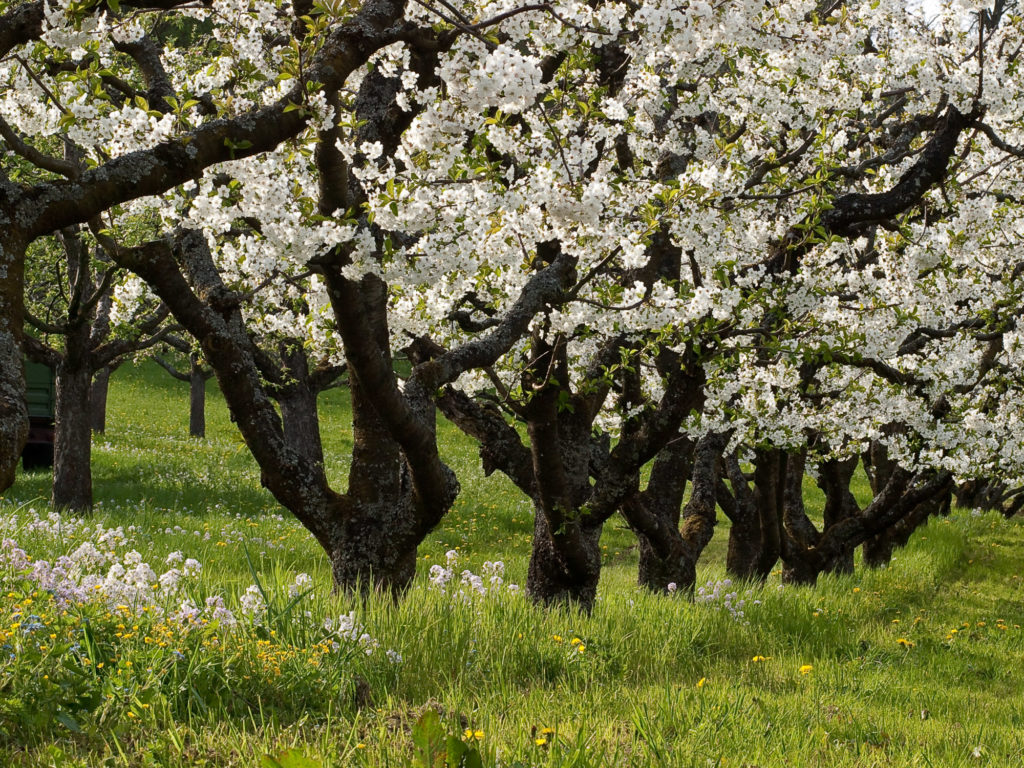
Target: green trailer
<point>41,396</point>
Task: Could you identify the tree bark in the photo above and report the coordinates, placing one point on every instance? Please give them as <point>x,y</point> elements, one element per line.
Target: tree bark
<point>297,400</point>
<point>834,479</point>
<point>72,450</point>
<point>13,410</point>
<point>98,399</point>
<point>755,540</point>
<point>661,547</point>
<point>668,553</point>
<point>565,564</point>
<point>876,552</point>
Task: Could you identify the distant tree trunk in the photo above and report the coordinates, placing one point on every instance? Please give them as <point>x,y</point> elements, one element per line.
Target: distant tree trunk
<point>98,399</point>
<point>196,398</point>
<point>72,450</point>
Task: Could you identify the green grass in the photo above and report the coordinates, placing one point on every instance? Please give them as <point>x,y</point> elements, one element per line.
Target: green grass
<point>660,681</point>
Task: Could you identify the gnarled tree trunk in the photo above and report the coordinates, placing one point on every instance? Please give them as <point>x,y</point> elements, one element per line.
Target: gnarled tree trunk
<point>668,554</point>
<point>755,541</point>
<point>565,563</point>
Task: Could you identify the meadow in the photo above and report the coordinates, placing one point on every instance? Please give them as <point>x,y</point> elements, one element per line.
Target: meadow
<point>190,622</point>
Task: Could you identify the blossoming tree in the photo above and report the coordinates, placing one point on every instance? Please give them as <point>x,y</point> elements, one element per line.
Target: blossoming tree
<point>593,219</point>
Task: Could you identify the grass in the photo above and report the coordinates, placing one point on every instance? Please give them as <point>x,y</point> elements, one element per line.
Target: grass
<point>915,665</point>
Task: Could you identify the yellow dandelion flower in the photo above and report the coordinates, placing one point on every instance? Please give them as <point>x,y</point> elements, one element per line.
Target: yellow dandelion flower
<point>540,741</point>
<point>758,659</point>
<point>700,683</point>
<point>806,669</point>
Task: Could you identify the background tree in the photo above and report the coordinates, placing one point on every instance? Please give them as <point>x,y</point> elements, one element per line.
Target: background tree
<point>196,375</point>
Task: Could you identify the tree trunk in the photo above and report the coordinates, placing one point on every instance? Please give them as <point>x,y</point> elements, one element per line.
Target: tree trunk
<point>659,542</point>
<point>565,564</point>
<point>297,400</point>
<point>755,540</point>
<point>668,554</point>
<point>877,551</point>
<point>565,567</point>
<point>196,398</point>
<point>13,410</point>
<point>98,399</point>
<point>834,479</point>
<point>72,450</point>
<point>388,515</point>
<point>799,535</point>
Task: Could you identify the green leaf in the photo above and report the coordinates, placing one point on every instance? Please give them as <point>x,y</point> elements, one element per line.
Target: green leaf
<point>428,738</point>
<point>290,758</point>
<point>68,722</point>
<point>457,749</point>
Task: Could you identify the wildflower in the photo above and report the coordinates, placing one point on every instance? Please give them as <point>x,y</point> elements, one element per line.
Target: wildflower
<point>700,683</point>
<point>252,601</point>
<point>856,590</point>
<point>806,669</point>
<point>302,582</point>
<point>758,659</point>
<point>469,733</point>
<point>540,741</point>
<point>906,643</point>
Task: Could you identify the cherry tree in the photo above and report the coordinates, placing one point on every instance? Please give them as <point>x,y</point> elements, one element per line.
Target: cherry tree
<point>596,220</point>
<point>70,294</point>
<point>97,75</point>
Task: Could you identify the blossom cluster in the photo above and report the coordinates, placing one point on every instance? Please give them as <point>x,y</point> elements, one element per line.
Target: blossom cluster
<point>717,593</point>
<point>469,585</point>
